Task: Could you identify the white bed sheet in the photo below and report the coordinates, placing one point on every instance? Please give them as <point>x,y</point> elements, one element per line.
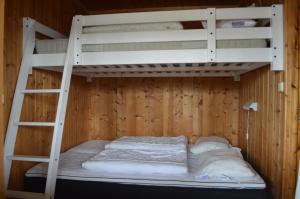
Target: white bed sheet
<point>70,168</point>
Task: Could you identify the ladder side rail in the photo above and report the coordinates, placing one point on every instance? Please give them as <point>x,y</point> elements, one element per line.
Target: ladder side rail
<point>11,133</point>
<point>61,109</point>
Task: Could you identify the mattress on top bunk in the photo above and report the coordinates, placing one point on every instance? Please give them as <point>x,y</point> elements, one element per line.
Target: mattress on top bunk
<point>49,46</point>
<point>70,168</point>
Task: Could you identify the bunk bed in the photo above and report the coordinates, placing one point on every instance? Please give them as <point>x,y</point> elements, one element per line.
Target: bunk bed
<point>155,45</point>
<point>164,47</point>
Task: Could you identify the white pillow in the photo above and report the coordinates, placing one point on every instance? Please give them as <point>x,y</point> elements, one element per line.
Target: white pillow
<point>208,144</point>
<point>224,163</point>
<point>239,23</point>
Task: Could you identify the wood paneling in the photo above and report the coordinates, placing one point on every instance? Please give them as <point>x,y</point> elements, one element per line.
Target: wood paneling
<point>291,98</point>
<point>1,94</point>
<point>162,106</point>
<point>58,15</point>
<point>266,125</point>
<point>273,140</point>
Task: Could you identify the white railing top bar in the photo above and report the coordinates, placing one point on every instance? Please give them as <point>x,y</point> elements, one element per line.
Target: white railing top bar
<point>179,15</point>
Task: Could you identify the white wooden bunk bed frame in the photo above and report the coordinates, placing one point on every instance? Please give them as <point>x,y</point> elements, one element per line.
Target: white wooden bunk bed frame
<point>208,62</point>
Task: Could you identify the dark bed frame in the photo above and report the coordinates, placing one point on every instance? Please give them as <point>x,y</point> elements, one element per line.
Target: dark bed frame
<point>89,190</point>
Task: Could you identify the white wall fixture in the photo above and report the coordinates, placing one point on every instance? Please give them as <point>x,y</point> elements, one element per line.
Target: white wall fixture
<point>250,106</point>
<point>280,87</point>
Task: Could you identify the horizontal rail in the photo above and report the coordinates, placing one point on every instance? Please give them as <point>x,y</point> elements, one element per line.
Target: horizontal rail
<point>29,158</point>
<point>145,57</point>
<point>42,91</point>
<point>243,13</point>
<point>35,123</point>
<point>244,33</point>
<point>244,55</point>
<point>145,17</point>
<point>151,36</point>
<point>176,56</point>
<point>177,16</point>
<point>159,57</point>
<point>175,35</point>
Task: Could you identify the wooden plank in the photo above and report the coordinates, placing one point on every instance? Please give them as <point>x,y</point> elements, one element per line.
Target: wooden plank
<point>162,106</point>
<point>2,85</point>
<point>290,103</point>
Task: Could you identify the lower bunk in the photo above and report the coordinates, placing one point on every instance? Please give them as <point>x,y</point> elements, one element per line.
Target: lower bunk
<point>160,167</point>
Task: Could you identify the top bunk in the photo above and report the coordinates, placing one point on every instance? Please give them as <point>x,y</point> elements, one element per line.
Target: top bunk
<point>212,42</point>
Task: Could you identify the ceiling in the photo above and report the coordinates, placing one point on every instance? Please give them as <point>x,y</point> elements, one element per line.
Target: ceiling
<point>113,6</point>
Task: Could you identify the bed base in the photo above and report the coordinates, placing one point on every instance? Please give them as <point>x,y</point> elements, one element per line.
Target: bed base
<point>87,189</point>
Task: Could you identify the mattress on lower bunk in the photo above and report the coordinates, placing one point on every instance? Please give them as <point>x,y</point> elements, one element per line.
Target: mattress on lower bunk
<point>49,46</point>
<point>70,168</point>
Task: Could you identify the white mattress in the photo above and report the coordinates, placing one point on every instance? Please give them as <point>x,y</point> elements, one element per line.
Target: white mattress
<point>70,168</point>
<point>49,46</point>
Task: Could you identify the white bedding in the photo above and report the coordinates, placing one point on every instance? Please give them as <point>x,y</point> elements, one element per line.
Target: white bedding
<point>149,143</point>
<point>70,168</point>
<point>223,162</point>
<point>142,154</point>
<point>138,162</point>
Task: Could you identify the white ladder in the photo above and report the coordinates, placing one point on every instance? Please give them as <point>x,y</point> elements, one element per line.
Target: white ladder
<point>58,124</point>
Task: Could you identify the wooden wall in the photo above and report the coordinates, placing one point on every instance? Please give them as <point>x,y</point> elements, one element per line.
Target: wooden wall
<point>273,140</point>
<point>162,106</point>
<point>291,76</point>
<point>266,125</point>
<point>58,15</point>
<point>1,94</point>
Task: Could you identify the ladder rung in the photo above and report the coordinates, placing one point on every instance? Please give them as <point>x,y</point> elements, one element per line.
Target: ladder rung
<point>33,91</point>
<point>29,158</point>
<point>23,194</point>
<point>35,123</point>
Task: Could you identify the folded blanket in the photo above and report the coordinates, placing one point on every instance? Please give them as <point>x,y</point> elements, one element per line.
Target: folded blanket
<point>149,143</point>
<point>138,161</point>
